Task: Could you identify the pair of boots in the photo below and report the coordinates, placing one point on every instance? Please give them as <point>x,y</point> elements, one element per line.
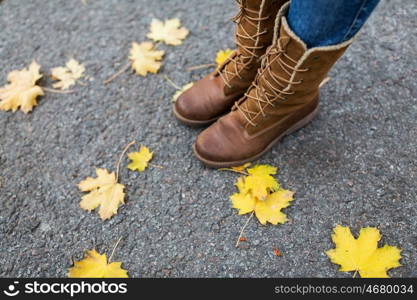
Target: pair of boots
<point>268,88</point>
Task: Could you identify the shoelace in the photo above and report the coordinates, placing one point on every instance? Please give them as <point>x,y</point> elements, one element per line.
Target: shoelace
<point>239,59</point>
<point>277,88</point>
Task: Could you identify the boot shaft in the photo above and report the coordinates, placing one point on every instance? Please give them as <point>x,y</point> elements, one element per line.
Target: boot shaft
<point>254,33</point>
<point>255,26</point>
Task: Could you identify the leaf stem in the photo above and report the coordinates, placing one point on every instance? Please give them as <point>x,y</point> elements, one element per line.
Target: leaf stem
<point>117,74</point>
<point>156,166</point>
<point>205,66</point>
<point>243,229</point>
<point>120,158</point>
<point>171,82</point>
<point>236,171</point>
<point>55,91</point>
<point>114,248</point>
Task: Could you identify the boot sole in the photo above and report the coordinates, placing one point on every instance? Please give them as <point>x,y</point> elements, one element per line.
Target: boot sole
<point>190,122</point>
<point>300,124</point>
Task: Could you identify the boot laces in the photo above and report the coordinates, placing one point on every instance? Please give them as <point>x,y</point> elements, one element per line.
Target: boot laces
<point>241,60</point>
<point>269,91</point>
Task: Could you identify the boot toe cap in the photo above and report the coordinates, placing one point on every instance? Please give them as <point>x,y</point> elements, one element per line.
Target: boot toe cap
<point>204,102</point>
<point>184,106</point>
<point>208,147</point>
<point>191,108</point>
<point>214,148</point>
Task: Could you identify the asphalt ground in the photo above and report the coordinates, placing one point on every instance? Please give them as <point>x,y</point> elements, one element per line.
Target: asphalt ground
<point>355,165</point>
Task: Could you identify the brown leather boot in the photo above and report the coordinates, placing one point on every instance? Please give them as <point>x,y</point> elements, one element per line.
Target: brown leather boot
<point>283,98</point>
<point>214,95</point>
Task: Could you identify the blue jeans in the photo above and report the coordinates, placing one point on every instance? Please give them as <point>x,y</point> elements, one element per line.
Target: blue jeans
<point>328,22</point>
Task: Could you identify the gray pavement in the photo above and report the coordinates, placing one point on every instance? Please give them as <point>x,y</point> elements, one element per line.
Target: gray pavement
<point>355,165</point>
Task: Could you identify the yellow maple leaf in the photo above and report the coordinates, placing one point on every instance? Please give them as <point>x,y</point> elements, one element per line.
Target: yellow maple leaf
<point>181,90</point>
<point>145,59</point>
<point>268,207</point>
<point>22,89</point>
<point>262,170</point>
<point>67,75</point>
<point>260,181</point>
<point>222,55</point>
<point>243,202</point>
<point>241,186</point>
<point>104,191</point>
<point>268,210</point>
<point>169,32</point>
<point>362,254</point>
<point>140,159</point>
<point>94,265</point>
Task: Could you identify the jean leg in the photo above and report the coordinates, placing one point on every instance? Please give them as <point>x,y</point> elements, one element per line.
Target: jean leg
<point>328,22</point>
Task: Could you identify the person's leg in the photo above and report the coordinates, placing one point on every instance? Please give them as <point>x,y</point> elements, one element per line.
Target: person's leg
<point>328,22</point>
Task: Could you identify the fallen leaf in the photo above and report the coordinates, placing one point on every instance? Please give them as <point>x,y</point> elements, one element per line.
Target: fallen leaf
<point>240,184</point>
<point>259,192</point>
<point>140,159</point>
<point>262,170</point>
<point>94,265</point>
<point>222,55</point>
<point>362,254</point>
<point>277,252</point>
<point>169,32</point>
<point>268,210</point>
<point>260,181</point>
<point>145,59</point>
<point>182,90</point>
<point>22,89</point>
<point>104,191</point>
<point>243,202</point>
<point>67,75</point>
